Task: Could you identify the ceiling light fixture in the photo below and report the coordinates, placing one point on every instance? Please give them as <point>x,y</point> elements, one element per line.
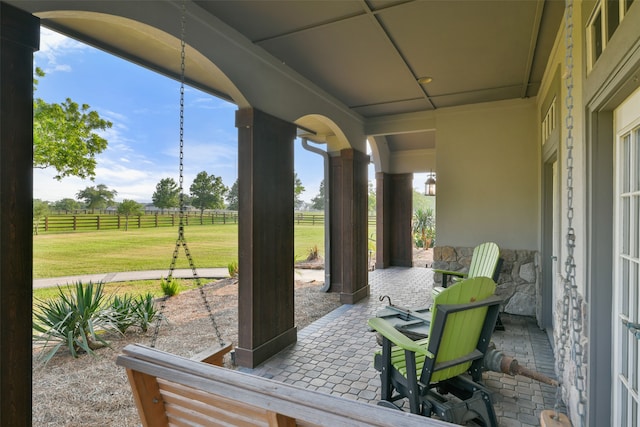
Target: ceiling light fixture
<point>430,185</point>
<point>424,80</point>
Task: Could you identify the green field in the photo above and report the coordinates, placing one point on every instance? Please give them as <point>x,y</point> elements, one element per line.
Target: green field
<point>69,254</point>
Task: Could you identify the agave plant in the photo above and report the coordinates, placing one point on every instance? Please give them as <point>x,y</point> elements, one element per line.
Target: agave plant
<point>74,319</point>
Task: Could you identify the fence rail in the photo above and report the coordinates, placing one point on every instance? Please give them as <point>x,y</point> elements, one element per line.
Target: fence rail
<point>61,223</point>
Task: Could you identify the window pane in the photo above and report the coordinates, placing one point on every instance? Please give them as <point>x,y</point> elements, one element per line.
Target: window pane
<point>624,291</point>
<point>626,214</point>
<point>613,17</point>
<point>636,165</point>
<point>597,36</point>
<point>625,163</point>
<point>635,221</point>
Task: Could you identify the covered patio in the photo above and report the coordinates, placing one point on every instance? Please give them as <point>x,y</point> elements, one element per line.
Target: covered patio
<point>334,355</point>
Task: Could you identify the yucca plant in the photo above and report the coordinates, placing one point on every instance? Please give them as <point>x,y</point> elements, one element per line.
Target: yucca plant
<point>74,319</point>
<point>121,312</point>
<point>145,311</point>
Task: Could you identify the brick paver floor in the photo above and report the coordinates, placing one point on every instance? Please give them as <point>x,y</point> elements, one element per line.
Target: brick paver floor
<point>334,354</point>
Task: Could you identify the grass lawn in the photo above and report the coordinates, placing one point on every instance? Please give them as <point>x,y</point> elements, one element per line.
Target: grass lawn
<point>56,255</point>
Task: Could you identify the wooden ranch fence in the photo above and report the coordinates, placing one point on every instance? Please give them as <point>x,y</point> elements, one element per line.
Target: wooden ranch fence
<point>60,223</point>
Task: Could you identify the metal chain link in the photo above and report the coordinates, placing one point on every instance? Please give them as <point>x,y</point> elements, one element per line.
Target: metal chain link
<point>181,241</point>
<point>571,303</point>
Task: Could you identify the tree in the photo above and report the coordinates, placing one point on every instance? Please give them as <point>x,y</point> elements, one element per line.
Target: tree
<point>40,210</point>
<point>371,199</point>
<point>317,202</point>
<point>127,208</point>
<point>98,197</point>
<point>64,136</point>
<point>297,191</point>
<point>232,197</point>
<point>167,194</point>
<point>424,227</point>
<point>66,204</point>
<point>207,192</point>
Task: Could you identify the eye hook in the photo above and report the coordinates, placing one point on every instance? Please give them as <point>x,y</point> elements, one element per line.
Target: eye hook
<point>382,297</point>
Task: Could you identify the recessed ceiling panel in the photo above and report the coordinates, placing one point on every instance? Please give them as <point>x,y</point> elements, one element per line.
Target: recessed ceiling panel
<point>465,45</point>
<point>351,59</point>
<point>259,20</point>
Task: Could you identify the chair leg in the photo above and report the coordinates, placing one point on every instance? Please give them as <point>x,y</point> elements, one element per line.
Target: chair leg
<point>413,390</point>
<point>385,373</point>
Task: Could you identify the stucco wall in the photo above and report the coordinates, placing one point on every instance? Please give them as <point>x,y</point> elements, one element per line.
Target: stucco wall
<point>499,203</point>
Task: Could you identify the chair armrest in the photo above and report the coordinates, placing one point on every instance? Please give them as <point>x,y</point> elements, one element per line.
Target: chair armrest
<point>388,331</point>
<point>450,273</point>
<point>436,290</point>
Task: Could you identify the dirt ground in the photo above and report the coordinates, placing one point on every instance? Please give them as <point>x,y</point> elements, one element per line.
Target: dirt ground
<point>93,391</point>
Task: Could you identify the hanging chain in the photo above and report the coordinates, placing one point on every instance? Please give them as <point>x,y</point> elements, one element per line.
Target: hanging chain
<point>571,303</point>
<point>181,241</point>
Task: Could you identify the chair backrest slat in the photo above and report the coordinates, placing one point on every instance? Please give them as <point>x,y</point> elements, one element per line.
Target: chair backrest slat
<point>484,260</point>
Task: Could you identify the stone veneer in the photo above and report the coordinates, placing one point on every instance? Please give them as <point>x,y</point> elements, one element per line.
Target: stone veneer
<point>518,281</point>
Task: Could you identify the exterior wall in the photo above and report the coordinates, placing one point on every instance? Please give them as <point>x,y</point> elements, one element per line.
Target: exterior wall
<point>487,175</point>
<point>588,350</point>
<point>518,280</point>
<point>549,88</point>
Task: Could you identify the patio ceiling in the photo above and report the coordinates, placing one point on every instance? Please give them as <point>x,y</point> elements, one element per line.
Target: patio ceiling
<point>370,54</point>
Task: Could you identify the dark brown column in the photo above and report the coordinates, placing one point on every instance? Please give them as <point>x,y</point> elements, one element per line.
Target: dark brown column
<point>394,206</point>
<point>265,246</point>
<point>19,38</point>
<point>349,221</point>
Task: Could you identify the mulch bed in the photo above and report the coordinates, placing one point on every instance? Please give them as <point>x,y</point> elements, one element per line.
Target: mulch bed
<point>93,391</point>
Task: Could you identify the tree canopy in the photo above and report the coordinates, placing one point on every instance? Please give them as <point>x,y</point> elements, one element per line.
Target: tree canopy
<point>207,192</point>
<point>232,197</point>
<point>66,204</point>
<point>98,197</point>
<point>65,138</point>
<point>298,189</point>
<point>167,194</point>
<point>127,208</point>
<point>317,203</point>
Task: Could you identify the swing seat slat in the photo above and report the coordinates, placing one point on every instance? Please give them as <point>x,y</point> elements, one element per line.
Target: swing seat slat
<point>213,355</point>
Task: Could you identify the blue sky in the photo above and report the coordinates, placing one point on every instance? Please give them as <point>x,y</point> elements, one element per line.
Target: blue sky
<point>144,140</point>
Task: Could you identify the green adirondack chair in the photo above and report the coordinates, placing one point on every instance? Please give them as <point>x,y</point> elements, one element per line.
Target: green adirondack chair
<point>484,263</point>
<point>424,371</point>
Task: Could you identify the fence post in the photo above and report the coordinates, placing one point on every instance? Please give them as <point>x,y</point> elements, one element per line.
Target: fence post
<point>139,221</point>
<point>75,223</point>
<point>46,223</point>
<point>98,222</point>
<point>156,220</point>
<point>118,222</point>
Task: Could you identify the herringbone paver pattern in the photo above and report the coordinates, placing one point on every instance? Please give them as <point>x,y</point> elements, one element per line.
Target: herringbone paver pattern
<point>334,354</point>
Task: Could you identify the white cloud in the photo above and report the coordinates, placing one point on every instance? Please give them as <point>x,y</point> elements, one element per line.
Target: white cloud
<point>53,47</point>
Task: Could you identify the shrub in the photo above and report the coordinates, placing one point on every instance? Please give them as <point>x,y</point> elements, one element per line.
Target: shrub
<point>313,253</point>
<point>74,319</point>
<point>233,268</point>
<point>170,287</point>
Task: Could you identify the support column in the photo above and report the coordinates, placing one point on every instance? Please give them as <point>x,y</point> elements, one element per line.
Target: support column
<point>265,236</point>
<point>19,38</point>
<point>394,206</point>
<point>349,225</point>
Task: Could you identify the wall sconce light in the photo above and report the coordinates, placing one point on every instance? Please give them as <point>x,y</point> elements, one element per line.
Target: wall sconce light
<point>430,185</point>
